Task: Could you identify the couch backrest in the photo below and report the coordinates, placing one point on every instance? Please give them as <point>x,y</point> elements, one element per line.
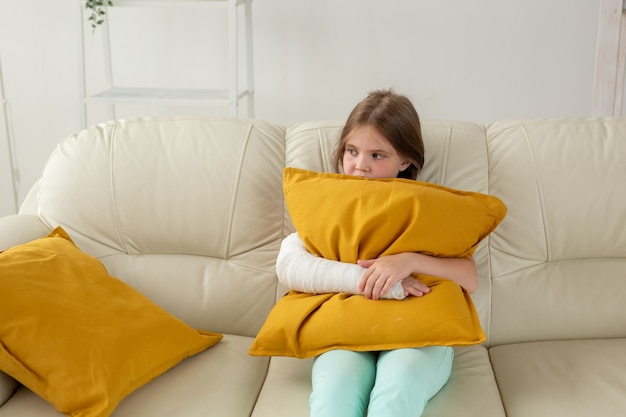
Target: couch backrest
<point>556,266</point>
<point>197,227</point>
<point>558,259</point>
<point>188,211</point>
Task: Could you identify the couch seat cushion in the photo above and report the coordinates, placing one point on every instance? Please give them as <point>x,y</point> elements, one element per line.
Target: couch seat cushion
<point>574,378</point>
<point>222,381</point>
<point>471,390</point>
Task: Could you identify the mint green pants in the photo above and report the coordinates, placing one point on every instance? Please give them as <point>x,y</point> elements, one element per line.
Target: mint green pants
<point>395,383</point>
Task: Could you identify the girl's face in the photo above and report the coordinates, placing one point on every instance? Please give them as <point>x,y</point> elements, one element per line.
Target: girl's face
<point>369,154</point>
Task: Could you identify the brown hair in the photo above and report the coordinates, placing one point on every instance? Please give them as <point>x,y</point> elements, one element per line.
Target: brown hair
<point>396,119</point>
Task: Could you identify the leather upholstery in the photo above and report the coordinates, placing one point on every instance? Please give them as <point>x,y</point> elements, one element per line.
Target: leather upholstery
<point>190,211</point>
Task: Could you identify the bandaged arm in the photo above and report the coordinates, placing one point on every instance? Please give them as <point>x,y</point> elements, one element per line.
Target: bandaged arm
<point>300,270</point>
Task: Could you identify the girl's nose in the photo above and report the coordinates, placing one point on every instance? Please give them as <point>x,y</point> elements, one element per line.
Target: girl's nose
<point>361,165</point>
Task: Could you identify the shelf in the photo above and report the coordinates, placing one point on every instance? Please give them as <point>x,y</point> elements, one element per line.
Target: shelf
<point>229,96</point>
<point>163,95</point>
<point>170,3</point>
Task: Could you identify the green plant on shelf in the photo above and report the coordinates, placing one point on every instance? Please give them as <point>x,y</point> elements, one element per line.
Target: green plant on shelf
<point>97,9</point>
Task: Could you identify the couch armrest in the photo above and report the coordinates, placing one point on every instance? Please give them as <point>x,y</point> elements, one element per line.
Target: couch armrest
<point>20,228</point>
<point>15,230</point>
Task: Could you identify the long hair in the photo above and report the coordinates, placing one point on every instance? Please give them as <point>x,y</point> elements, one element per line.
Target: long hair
<point>395,118</point>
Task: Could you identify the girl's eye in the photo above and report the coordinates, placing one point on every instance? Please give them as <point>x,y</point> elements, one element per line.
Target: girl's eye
<point>377,156</point>
<point>351,151</point>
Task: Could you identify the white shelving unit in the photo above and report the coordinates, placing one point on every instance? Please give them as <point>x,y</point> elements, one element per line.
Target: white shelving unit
<point>230,96</point>
<point>610,69</point>
<point>8,130</point>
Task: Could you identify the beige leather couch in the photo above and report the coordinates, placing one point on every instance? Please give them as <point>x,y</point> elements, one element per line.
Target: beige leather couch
<point>190,212</point>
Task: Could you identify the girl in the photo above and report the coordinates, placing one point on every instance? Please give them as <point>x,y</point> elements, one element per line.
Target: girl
<point>381,139</point>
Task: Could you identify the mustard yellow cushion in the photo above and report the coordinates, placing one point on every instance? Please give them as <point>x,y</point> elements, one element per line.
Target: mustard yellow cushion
<point>348,218</point>
<point>77,337</point>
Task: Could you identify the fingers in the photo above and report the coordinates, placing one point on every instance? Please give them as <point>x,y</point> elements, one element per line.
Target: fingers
<point>365,263</point>
<point>372,283</point>
<point>364,279</point>
<point>368,284</point>
<point>416,293</point>
<point>415,287</point>
<point>381,274</point>
<point>378,288</point>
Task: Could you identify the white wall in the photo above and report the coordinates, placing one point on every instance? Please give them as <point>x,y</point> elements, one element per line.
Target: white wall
<point>479,60</point>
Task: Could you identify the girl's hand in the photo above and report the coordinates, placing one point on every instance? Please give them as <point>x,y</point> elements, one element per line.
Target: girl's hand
<point>382,273</point>
<point>415,287</point>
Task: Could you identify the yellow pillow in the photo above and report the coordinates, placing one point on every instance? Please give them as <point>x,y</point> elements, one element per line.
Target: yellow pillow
<point>347,218</point>
<point>79,338</point>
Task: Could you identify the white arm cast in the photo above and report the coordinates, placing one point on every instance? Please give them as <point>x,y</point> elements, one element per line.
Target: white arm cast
<point>300,270</point>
